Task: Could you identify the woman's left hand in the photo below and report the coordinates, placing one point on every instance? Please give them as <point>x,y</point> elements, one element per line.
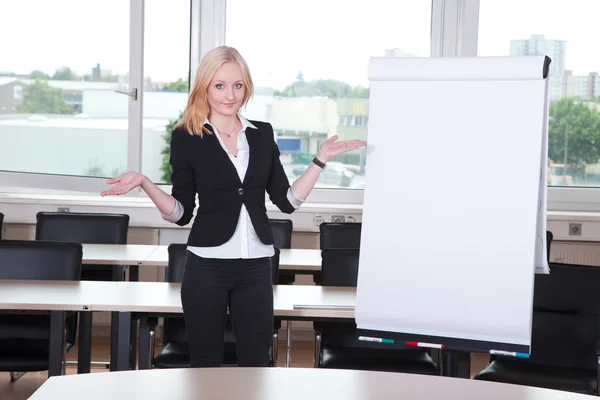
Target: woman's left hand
<point>331,147</point>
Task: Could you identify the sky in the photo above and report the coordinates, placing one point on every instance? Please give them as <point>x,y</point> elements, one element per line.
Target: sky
<point>325,39</point>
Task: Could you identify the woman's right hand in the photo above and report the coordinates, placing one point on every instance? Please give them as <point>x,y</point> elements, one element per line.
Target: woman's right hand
<point>124,183</point>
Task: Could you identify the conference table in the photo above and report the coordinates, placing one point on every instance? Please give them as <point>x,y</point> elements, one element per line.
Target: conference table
<point>291,302</point>
<point>299,260</point>
<point>282,383</point>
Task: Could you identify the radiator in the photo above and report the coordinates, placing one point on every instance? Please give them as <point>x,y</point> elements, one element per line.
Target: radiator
<point>584,253</point>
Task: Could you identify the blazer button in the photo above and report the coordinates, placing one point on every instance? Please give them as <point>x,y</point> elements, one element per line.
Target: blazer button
<point>240,191</point>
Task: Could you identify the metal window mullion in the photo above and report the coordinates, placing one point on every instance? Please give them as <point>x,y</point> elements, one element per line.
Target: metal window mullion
<point>212,25</point>
<point>136,82</point>
<point>455,26</point>
<point>437,28</point>
<point>468,24</point>
<point>195,33</point>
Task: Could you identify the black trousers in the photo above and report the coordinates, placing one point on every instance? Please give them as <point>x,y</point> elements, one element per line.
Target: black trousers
<point>209,286</point>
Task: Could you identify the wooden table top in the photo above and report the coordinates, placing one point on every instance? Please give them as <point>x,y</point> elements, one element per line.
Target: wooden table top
<point>282,383</point>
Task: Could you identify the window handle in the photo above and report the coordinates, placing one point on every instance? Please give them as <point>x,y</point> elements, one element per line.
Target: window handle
<point>132,94</point>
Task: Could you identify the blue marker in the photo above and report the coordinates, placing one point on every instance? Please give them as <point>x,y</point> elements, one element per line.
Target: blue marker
<point>508,353</point>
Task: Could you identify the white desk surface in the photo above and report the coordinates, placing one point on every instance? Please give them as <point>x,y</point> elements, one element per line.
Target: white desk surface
<point>301,259</point>
<point>282,383</point>
<point>44,295</point>
<point>159,257</point>
<point>152,255</point>
<point>162,297</point>
<point>120,254</point>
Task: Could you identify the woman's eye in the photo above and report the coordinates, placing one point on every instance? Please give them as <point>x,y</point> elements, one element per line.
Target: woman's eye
<point>238,85</point>
<point>219,86</point>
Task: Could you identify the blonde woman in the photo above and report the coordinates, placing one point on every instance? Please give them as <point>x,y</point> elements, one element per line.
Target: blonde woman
<point>229,162</point>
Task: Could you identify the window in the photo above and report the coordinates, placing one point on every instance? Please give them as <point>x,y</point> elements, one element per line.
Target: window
<point>166,82</point>
<point>310,70</point>
<point>58,76</point>
<point>560,30</point>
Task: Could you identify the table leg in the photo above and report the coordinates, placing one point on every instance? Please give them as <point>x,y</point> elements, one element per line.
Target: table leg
<point>119,272</point>
<point>120,341</point>
<point>84,352</point>
<point>133,340</point>
<point>463,365</point>
<point>134,273</point>
<point>57,343</point>
<point>456,364</point>
<point>288,345</point>
<point>144,351</point>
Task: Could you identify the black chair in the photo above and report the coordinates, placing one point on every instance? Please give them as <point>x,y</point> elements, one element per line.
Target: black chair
<point>93,228</point>
<point>1,222</point>
<point>565,334</point>
<point>175,352</point>
<point>338,235</point>
<point>337,344</point>
<point>25,336</point>
<point>282,232</point>
<point>549,239</point>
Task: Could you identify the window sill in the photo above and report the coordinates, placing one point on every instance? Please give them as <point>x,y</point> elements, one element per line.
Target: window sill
<point>22,207</point>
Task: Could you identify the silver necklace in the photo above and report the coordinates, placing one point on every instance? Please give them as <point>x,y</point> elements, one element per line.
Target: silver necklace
<point>229,134</point>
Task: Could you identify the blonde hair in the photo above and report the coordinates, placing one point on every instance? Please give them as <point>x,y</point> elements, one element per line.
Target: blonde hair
<point>197,109</point>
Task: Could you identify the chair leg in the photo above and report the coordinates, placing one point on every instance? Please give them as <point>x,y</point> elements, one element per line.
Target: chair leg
<point>317,356</point>
<point>14,376</point>
<point>133,344</point>
<point>275,351</point>
<point>152,344</point>
<point>64,355</point>
<point>597,373</point>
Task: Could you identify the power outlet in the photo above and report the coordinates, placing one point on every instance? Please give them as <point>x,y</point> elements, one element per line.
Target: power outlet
<point>338,218</point>
<point>575,229</point>
<point>64,209</point>
<point>318,220</point>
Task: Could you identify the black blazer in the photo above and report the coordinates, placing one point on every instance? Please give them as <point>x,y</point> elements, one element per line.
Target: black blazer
<point>201,166</point>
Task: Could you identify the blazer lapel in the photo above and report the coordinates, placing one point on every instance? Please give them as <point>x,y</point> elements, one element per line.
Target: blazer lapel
<point>253,149</point>
<point>221,154</point>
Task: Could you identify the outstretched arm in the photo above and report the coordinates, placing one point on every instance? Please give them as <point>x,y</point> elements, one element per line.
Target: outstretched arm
<point>178,207</point>
<point>130,180</point>
<point>329,149</point>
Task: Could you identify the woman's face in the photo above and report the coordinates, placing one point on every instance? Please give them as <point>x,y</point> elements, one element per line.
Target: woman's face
<point>226,90</point>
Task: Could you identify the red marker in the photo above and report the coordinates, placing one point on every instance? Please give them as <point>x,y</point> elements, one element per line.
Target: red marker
<point>422,344</point>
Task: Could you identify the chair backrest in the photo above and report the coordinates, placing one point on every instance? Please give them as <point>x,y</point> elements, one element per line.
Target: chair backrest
<point>282,232</point>
<point>566,317</point>
<point>34,260</point>
<point>174,327</point>
<point>96,228</point>
<point>176,266</point>
<point>1,222</point>
<point>549,238</point>
<point>40,260</point>
<point>339,267</point>
<point>344,235</point>
<point>275,266</point>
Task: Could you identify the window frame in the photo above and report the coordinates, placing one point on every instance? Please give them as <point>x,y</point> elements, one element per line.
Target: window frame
<point>134,139</point>
<point>454,32</point>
